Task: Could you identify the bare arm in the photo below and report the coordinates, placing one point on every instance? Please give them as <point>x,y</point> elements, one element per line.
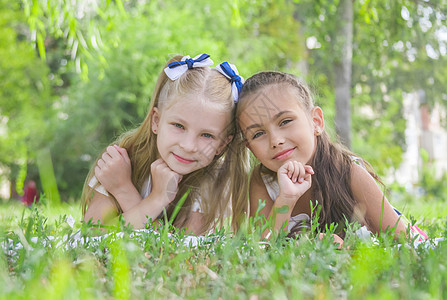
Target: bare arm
<point>164,189</point>
<point>368,194</point>
<point>101,209</point>
<point>149,208</point>
<point>113,170</point>
<point>294,179</point>
<point>194,223</point>
<point>257,192</point>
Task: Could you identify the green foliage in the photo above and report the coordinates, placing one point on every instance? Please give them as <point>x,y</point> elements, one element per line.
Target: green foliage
<point>434,187</point>
<point>26,110</point>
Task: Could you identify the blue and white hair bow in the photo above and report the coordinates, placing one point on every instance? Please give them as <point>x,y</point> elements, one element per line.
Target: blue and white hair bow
<point>230,71</point>
<point>175,69</point>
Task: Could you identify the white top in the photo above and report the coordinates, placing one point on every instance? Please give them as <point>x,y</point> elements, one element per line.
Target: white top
<point>145,191</point>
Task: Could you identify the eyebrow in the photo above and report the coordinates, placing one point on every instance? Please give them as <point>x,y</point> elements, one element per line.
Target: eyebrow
<point>274,117</point>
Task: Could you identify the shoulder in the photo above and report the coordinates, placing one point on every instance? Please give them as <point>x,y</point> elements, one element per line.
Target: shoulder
<point>195,223</point>
<point>101,209</point>
<point>260,180</point>
<point>255,177</point>
<point>363,186</point>
<point>360,176</point>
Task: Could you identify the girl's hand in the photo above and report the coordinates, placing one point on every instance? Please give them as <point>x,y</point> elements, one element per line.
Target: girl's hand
<point>337,240</point>
<point>164,180</point>
<point>294,180</point>
<point>113,170</point>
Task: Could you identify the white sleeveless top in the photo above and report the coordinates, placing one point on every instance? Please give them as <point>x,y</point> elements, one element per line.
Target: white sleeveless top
<point>145,191</point>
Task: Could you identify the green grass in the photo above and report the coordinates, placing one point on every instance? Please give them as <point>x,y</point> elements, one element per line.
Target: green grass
<point>154,266</point>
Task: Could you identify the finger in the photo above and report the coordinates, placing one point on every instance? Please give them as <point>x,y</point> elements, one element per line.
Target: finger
<point>307,176</point>
<point>283,169</point>
<point>113,152</point>
<point>296,171</point>
<point>290,169</point>
<point>123,153</point>
<point>297,168</point>
<point>106,157</point>
<point>161,161</point>
<point>97,172</point>
<point>301,173</point>
<point>160,167</point>
<point>156,163</point>
<point>338,241</point>
<point>101,163</point>
<point>309,169</point>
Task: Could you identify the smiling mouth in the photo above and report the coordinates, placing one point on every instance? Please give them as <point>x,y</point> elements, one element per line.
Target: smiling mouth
<point>182,159</point>
<point>284,154</point>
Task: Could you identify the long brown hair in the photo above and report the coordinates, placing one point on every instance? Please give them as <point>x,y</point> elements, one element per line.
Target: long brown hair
<point>223,183</point>
<point>332,161</point>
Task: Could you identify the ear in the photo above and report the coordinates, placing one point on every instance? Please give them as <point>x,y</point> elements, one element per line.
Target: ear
<point>317,120</point>
<point>155,119</point>
<point>223,144</point>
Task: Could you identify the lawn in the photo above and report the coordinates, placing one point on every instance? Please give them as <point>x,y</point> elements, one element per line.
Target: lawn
<point>45,257</point>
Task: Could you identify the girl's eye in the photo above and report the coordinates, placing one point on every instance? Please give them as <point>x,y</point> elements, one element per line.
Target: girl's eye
<point>208,135</point>
<point>178,125</point>
<point>284,122</point>
<point>257,134</point>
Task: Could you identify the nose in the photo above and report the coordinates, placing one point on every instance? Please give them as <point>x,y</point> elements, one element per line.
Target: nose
<point>188,144</point>
<point>275,140</point>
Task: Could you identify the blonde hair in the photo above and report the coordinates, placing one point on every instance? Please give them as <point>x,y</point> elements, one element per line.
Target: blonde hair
<point>224,179</point>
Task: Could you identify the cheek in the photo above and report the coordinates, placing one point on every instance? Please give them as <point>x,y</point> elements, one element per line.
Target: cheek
<point>160,144</point>
<point>208,148</point>
<point>256,148</point>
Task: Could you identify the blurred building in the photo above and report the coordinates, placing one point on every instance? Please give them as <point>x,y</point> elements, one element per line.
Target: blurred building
<point>424,130</point>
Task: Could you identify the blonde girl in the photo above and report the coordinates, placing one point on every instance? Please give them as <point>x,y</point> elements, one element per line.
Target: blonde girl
<point>299,163</point>
<point>188,144</point>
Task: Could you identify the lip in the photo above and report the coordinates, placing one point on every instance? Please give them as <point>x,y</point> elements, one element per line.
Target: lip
<point>182,159</point>
<point>284,154</point>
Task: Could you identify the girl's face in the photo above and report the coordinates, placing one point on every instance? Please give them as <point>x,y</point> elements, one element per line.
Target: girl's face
<point>277,129</point>
<point>190,133</point>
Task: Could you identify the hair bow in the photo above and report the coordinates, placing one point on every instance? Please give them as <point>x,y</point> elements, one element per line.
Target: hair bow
<point>175,69</point>
<point>230,71</point>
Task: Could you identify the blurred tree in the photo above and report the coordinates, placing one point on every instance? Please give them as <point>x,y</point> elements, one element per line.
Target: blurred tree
<point>25,101</point>
<point>343,69</point>
<point>398,47</point>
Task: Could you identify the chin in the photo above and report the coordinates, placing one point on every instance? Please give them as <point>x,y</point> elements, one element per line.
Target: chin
<point>179,170</point>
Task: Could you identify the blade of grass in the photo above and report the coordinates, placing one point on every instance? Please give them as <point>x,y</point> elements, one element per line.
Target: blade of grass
<point>178,206</point>
<point>381,213</point>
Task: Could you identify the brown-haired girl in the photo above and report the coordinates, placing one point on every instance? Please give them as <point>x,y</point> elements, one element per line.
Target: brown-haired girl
<point>187,143</point>
<point>300,165</point>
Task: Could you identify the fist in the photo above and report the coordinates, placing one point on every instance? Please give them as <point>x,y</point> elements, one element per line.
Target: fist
<point>165,181</point>
<point>113,169</point>
<point>294,180</point>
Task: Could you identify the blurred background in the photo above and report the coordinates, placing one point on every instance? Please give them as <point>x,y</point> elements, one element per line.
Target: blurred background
<point>74,74</point>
